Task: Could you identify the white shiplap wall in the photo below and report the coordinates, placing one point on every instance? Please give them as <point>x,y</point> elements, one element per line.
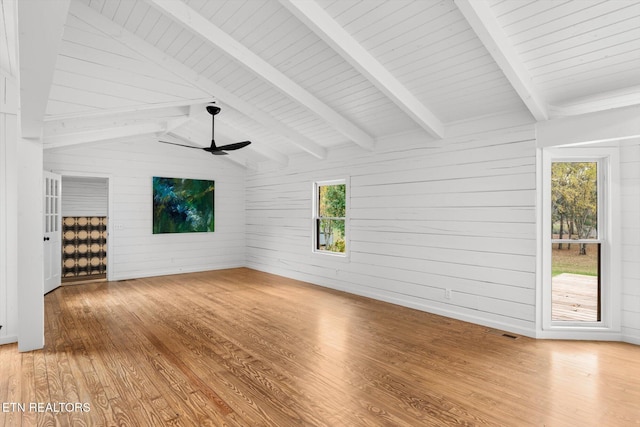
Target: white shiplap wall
<point>130,165</point>
<point>455,214</point>
<point>85,196</point>
<point>8,210</point>
<point>630,216</point>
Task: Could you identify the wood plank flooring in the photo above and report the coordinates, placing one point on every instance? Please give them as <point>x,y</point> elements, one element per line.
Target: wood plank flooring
<point>244,348</point>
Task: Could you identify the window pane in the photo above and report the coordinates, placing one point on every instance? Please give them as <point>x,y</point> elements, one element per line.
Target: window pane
<point>331,235</point>
<point>575,281</point>
<point>574,200</point>
<point>331,201</point>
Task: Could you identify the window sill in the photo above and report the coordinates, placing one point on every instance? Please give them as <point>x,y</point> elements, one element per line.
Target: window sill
<point>343,257</point>
<point>580,333</point>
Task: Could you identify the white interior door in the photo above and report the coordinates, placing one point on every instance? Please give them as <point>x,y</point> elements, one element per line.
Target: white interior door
<point>52,231</point>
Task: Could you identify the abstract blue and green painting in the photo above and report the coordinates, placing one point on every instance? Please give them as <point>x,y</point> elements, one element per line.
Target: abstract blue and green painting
<point>182,205</point>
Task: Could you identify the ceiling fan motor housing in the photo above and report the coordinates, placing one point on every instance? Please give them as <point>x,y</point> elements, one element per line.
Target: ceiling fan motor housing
<point>213,109</point>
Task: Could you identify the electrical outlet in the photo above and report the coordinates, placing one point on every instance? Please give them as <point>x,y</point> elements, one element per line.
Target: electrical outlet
<point>447,293</point>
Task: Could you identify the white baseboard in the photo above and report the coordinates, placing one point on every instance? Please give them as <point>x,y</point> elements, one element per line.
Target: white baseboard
<point>580,336</point>
<point>171,271</point>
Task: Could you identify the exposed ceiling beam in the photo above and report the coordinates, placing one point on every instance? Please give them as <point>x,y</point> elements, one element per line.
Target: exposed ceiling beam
<point>193,112</point>
<point>192,20</point>
<point>40,27</point>
<point>478,14</point>
<point>176,123</point>
<point>176,116</point>
<point>626,97</point>
<point>76,138</point>
<point>599,126</point>
<point>130,109</point>
<point>170,64</point>
<point>332,33</point>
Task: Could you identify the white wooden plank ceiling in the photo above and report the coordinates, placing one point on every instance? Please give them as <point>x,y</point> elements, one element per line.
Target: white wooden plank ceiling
<point>303,76</point>
<point>582,55</point>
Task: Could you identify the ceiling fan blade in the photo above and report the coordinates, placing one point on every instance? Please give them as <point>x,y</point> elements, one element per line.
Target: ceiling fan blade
<point>234,146</point>
<point>182,145</point>
<point>213,149</point>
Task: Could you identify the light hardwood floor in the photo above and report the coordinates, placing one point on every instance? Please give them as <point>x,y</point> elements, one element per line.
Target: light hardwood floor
<point>243,348</point>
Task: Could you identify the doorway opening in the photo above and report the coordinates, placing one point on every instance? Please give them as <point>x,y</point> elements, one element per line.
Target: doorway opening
<point>85,202</point>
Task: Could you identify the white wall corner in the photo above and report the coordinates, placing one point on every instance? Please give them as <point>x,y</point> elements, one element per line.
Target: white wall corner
<point>8,210</point>
<point>30,250</point>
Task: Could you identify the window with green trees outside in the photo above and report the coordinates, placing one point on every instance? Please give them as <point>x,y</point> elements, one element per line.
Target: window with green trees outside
<point>330,217</point>
<point>576,241</point>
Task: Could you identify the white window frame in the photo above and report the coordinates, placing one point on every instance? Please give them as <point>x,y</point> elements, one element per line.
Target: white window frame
<point>315,217</point>
<point>609,238</point>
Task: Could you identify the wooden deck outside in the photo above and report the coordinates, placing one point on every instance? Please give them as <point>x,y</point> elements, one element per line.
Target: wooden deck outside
<point>244,348</point>
<point>575,297</point>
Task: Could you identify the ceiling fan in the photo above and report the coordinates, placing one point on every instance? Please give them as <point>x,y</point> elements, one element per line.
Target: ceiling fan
<point>213,148</point>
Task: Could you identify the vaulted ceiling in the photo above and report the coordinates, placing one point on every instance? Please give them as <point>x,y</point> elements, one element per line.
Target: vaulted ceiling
<point>305,76</point>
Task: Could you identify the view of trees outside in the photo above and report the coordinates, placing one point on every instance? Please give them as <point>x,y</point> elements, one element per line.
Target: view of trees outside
<point>575,264</point>
<point>331,214</point>
<point>574,198</point>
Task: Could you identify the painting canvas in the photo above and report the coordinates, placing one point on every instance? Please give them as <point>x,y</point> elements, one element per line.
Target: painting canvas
<point>182,205</point>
